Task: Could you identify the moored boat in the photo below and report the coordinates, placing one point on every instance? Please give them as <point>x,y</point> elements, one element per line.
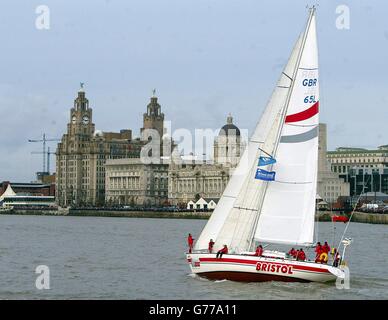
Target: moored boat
<point>338,218</point>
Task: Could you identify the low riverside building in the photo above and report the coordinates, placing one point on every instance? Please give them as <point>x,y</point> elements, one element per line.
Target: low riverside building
<point>134,183</point>
<point>365,170</point>
<point>32,188</point>
<point>203,204</point>
<point>10,199</point>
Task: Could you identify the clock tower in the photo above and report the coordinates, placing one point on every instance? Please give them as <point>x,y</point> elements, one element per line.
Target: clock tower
<point>81,124</point>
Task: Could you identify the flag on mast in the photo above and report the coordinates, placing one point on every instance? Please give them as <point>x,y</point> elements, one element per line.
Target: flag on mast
<point>264,161</point>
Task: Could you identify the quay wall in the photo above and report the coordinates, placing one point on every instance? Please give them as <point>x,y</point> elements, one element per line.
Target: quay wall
<point>362,217</point>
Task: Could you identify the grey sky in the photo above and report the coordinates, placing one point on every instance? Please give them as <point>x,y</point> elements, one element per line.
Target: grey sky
<point>206,58</point>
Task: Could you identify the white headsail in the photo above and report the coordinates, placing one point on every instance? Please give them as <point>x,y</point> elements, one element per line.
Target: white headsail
<point>244,205</point>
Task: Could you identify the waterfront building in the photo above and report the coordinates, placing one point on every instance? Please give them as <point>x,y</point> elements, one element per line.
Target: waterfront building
<point>329,185</point>
<point>81,156</point>
<point>366,170</point>
<point>10,199</point>
<point>203,204</point>
<point>228,145</point>
<point>134,183</point>
<point>153,119</point>
<point>190,179</point>
<point>32,188</point>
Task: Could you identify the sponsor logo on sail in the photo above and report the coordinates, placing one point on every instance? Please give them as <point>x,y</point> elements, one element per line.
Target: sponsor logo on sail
<point>265,175</point>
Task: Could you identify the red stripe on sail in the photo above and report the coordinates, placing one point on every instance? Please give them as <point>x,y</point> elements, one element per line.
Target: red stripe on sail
<point>304,115</point>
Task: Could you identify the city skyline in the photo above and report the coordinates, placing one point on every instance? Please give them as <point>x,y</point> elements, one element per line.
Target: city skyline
<point>205,60</point>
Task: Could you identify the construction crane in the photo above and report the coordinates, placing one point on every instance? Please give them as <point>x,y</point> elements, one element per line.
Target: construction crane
<point>44,140</point>
<point>48,158</point>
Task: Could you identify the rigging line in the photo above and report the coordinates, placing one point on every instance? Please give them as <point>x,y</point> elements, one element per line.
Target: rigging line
<point>301,125</point>
<point>308,68</point>
<point>265,152</point>
<point>354,209</point>
<point>245,208</point>
<point>287,76</point>
<point>288,182</point>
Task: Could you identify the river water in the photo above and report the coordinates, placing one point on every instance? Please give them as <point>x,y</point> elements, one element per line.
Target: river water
<point>130,258</point>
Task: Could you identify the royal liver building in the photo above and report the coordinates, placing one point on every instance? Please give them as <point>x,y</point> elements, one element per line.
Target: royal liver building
<point>82,153</point>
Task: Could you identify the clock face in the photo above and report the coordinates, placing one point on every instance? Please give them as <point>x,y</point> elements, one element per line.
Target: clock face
<point>85,119</point>
<point>73,119</point>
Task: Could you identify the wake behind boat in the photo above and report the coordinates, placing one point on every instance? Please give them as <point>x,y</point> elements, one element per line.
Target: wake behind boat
<point>270,197</point>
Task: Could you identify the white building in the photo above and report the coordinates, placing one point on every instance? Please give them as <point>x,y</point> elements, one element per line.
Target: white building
<point>202,204</point>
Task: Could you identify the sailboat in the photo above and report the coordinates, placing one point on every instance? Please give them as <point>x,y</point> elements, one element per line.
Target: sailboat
<point>270,197</point>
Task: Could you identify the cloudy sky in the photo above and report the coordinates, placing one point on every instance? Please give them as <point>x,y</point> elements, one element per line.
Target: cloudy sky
<point>205,58</point>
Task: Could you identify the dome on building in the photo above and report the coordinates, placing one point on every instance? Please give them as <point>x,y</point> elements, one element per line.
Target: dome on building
<point>229,128</point>
<point>98,133</point>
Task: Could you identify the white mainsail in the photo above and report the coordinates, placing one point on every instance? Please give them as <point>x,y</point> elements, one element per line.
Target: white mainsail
<point>244,200</point>
<point>288,210</point>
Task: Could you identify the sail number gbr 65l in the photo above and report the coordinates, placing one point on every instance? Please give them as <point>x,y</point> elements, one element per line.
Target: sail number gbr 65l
<point>274,267</point>
<point>309,82</point>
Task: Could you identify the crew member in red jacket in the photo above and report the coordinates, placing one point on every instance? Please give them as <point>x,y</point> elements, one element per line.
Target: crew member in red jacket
<point>259,251</point>
<point>318,251</point>
<point>211,244</point>
<point>292,252</point>
<point>326,248</point>
<point>301,255</point>
<point>224,250</point>
<point>190,242</point>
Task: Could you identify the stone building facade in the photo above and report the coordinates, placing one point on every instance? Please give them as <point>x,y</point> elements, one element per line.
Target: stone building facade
<point>365,170</point>
<point>134,183</point>
<point>228,145</point>
<point>190,179</point>
<point>81,156</point>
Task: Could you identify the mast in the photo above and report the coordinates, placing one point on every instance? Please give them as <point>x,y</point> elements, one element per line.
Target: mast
<point>284,113</point>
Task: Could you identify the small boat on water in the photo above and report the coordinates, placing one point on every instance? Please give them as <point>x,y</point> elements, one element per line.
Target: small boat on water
<point>270,197</point>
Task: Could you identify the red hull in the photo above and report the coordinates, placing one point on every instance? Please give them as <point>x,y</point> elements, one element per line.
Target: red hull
<point>247,277</point>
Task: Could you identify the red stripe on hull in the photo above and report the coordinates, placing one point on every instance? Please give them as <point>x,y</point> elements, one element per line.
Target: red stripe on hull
<point>304,115</point>
<point>232,260</point>
<point>246,276</point>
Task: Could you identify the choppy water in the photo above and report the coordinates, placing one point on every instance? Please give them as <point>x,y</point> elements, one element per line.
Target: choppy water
<point>128,258</point>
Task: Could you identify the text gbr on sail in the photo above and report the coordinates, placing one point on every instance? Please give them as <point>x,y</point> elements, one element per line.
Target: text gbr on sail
<point>309,82</point>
